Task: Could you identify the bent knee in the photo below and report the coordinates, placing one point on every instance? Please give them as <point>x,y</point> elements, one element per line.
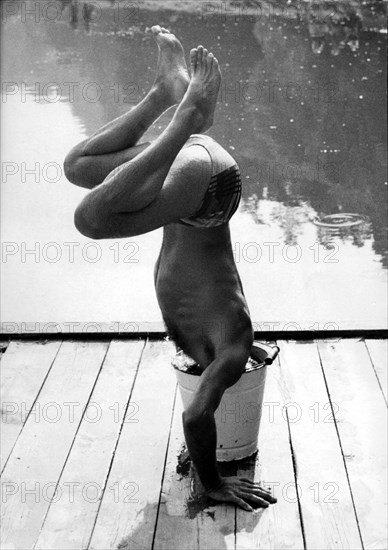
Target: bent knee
<point>86,224</point>
<point>77,169</point>
<point>81,222</point>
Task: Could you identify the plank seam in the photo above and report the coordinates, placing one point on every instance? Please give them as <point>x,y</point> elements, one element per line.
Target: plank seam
<point>295,469</point>
<point>340,444</point>
<point>375,371</point>
<point>32,406</point>
<point>72,444</point>
<point>164,467</point>
<point>116,444</point>
<point>235,526</point>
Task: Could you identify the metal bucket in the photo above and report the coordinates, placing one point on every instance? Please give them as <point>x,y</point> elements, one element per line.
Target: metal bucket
<point>239,413</point>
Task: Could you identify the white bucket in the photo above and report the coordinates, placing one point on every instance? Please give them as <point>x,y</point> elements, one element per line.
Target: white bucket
<point>239,413</point>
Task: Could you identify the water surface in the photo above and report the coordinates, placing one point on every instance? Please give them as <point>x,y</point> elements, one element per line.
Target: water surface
<point>307,128</point>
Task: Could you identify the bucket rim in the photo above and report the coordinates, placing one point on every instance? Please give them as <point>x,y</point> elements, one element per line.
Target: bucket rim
<point>253,366</point>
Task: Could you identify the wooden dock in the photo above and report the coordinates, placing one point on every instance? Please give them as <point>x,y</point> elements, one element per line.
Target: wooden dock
<point>93,453</point>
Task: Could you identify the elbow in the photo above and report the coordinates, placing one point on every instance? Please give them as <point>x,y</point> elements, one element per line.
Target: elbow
<point>77,170</point>
<point>71,168</point>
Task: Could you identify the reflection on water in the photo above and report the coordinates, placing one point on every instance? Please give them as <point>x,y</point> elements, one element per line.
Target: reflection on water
<point>334,25</point>
<point>79,11</point>
<point>301,108</point>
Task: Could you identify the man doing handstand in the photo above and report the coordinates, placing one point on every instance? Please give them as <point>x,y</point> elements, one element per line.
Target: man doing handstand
<point>188,184</point>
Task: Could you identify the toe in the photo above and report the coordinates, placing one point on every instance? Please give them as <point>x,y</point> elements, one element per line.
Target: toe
<point>200,54</point>
<point>193,58</point>
<point>165,30</point>
<point>206,63</point>
<point>156,29</point>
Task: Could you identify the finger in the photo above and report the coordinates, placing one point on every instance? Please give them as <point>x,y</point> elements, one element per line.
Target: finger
<point>252,490</point>
<point>252,482</point>
<point>262,502</point>
<point>259,487</point>
<point>265,493</point>
<point>269,498</point>
<point>247,492</point>
<point>256,485</point>
<point>242,504</point>
<point>247,480</point>
<point>256,499</point>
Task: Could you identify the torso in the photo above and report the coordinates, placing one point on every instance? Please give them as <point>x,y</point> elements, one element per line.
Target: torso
<point>196,279</point>
<point>198,286</point>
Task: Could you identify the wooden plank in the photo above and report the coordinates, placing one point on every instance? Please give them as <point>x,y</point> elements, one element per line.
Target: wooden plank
<point>131,498</point>
<point>24,367</point>
<point>217,524</point>
<point>378,351</point>
<point>70,521</point>
<point>362,426</point>
<point>175,530</point>
<point>278,526</point>
<point>187,519</point>
<point>329,519</point>
<point>34,467</point>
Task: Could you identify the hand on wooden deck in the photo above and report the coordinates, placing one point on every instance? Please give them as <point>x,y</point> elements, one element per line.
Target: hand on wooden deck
<point>242,491</point>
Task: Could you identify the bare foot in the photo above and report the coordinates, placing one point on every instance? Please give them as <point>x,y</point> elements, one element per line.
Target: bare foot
<point>204,86</point>
<point>172,76</point>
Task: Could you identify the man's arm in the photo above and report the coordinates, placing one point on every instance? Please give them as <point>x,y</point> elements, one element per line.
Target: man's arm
<point>201,434</point>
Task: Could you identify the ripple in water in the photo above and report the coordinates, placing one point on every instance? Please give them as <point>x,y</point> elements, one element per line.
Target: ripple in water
<point>336,221</point>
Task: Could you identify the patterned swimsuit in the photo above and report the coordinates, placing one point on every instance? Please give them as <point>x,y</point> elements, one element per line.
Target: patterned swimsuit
<point>223,195</point>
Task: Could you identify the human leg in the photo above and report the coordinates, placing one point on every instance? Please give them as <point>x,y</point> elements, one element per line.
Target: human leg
<point>89,162</point>
<point>110,209</point>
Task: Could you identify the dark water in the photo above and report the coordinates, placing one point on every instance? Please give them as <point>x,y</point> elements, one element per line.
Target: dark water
<point>302,109</point>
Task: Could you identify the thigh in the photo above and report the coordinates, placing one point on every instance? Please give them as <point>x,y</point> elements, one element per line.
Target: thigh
<point>215,336</point>
<point>232,327</point>
<point>91,170</point>
<point>180,196</point>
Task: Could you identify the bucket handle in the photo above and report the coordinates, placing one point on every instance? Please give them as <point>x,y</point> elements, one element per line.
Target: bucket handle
<point>264,353</point>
